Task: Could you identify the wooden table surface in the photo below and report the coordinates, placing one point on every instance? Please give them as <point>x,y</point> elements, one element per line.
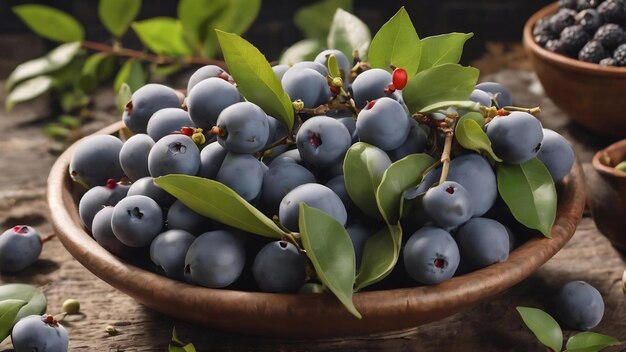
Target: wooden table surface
<point>491,326</point>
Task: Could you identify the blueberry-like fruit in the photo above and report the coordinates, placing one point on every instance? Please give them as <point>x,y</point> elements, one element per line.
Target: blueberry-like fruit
<point>556,154</point>
<point>103,233</point>
<point>167,121</point>
<point>370,85</point>
<point>136,221</point>
<point>279,267</point>
<point>134,156</point>
<point>383,123</point>
<point>96,159</point>
<point>40,333</point>
<point>211,158</point>
<point>338,185</point>
<point>483,242</point>
<point>144,102</point>
<point>280,180</point>
<point>20,247</point>
<point>174,154</point>
<point>307,85</point>
<point>215,259</point>
<point>96,198</point>
<point>515,138</point>
<point>243,173</point>
<point>342,61</point>
<point>579,305</point>
<point>208,98</point>
<point>168,251</point>
<point>431,255</point>
<point>415,142</point>
<point>314,195</point>
<point>242,128</point>
<point>181,217</point>
<point>497,91</point>
<point>323,141</point>
<point>448,204</point>
<point>205,72</point>
<point>145,186</point>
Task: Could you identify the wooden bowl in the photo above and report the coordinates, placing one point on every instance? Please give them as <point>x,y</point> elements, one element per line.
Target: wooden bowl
<point>305,316</point>
<point>592,95</point>
<point>607,193</point>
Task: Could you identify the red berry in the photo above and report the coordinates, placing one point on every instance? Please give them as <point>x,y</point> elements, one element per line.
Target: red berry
<point>502,112</point>
<point>187,131</point>
<point>399,78</point>
<point>111,183</point>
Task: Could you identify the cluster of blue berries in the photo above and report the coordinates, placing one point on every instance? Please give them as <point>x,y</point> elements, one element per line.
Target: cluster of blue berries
<point>214,133</point>
<point>587,30</point>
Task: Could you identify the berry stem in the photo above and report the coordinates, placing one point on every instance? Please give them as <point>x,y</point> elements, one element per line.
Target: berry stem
<point>447,147</point>
<point>533,111</point>
<point>48,238</point>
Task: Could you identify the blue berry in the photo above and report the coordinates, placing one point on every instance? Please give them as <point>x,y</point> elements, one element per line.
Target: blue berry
<point>167,121</point>
<point>168,251</point>
<point>134,156</point>
<point>579,305</point>
<point>146,101</point>
<point>96,159</point>
<point>208,98</point>
<point>307,85</point>
<point>610,36</point>
<point>314,195</point>
<point>211,158</point>
<point>40,333</point>
<point>431,255</point>
<point>136,220</point>
<point>323,141</point>
<point>515,138</point>
<point>103,234</point>
<point>483,242</point>
<point>243,173</point>
<point>383,123</point>
<point>96,198</point>
<point>174,154</point>
<point>145,186</point>
<point>556,154</point>
<point>243,128</point>
<point>206,72</point>
<point>448,204</point>
<point>280,180</point>
<point>20,247</point>
<point>498,91</point>
<point>279,267</point>
<point>370,85</point>
<point>215,259</point>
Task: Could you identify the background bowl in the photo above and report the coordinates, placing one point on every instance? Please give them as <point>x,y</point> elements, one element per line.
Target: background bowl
<point>607,193</point>
<point>590,94</point>
<point>304,316</point>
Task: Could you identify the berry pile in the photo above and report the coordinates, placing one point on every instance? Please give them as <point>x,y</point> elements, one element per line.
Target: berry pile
<point>360,172</point>
<point>587,30</point>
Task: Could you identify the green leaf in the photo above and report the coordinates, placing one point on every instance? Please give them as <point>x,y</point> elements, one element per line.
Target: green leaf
<point>216,201</point>
<point>442,49</point>
<point>73,99</point>
<point>255,78</point>
<point>69,121</point>
<point>131,73</point>
<point>123,96</point>
<point>471,136</point>
<point>590,342</point>
<point>50,23</point>
<point>443,105</point>
<point>99,66</point>
<point>54,60</point>
<point>396,43</point>
<point>304,50</point>
<point>333,67</point>
<point>37,302</point>
<point>329,248</point>
<point>528,190</point>
<point>195,16</point>
<point>401,175</point>
<point>315,20</point>
<point>162,35</point>
<point>363,167</point>
<point>439,83</point>
<point>8,312</point>
<point>56,131</point>
<point>27,90</point>
<point>380,256</point>
<point>475,116</point>
<point>178,346</point>
<point>116,15</point>
<point>349,33</point>
<point>163,71</point>
<point>545,328</point>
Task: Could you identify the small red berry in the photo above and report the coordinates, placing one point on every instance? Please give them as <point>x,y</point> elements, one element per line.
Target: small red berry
<point>187,131</point>
<point>502,112</point>
<point>399,78</point>
<point>111,183</point>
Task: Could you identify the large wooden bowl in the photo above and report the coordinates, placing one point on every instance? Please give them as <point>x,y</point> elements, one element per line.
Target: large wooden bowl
<point>592,95</point>
<point>305,316</point>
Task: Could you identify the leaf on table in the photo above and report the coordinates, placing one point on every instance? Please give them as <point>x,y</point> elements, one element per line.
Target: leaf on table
<point>348,33</point>
<point>330,250</point>
<point>216,201</point>
<point>439,83</point>
<point>162,35</point>
<point>363,167</point>
<point>117,15</point>
<point>442,49</point>
<point>8,312</point>
<point>36,301</point>
<point>396,43</point>
<point>545,328</point>
<point>28,90</point>
<point>255,78</point>
<point>52,61</point>
<point>529,192</point>
<point>50,23</point>
<point>589,341</point>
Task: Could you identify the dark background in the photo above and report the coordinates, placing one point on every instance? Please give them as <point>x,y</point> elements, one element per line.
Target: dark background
<point>273,30</point>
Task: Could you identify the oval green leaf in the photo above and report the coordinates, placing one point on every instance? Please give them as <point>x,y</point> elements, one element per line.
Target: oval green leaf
<point>363,168</point>
<point>195,16</point>
<point>590,342</point>
<point>216,201</point>
<point>348,33</point>
<point>442,49</point>
<point>330,250</point>
<point>396,43</point>
<point>50,23</point>
<point>54,60</point>
<point>8,312</point>
<point>27,90</point>
<point>315,20</point>
<point>131,73</point>
<point>117,15</point>
<point>401,175</point>
<point>529,192</point>
<point>545,328</point>
<point>123,96</point>
<point>255,78</point>
<point>439,83</point>
<point>36,301</point>
<point>467,105</point>
<point>473,115</point>
<point>380,256</point>
<point>162,35</point>
<point>304,50</point>
<point>471,136</point>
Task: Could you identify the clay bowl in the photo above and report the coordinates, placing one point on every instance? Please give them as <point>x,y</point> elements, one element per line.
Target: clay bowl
<point>592,95</point>
<point>607,193</point>
<point>305,316</point>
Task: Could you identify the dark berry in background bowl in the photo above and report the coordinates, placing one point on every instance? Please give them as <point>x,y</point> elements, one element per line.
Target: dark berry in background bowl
<point>578,50</point>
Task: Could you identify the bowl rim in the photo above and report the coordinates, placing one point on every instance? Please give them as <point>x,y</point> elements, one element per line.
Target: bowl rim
<point>563,61</point>
<point>310,316</point>
<point>599,164</point>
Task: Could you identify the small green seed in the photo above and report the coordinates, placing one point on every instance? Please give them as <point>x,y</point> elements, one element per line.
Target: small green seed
<point>71,306</point>
<point>621,166</point>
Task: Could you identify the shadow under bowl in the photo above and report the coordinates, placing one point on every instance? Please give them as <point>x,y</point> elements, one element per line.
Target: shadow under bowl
<point>591,94</point>
<point>305,316</point>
